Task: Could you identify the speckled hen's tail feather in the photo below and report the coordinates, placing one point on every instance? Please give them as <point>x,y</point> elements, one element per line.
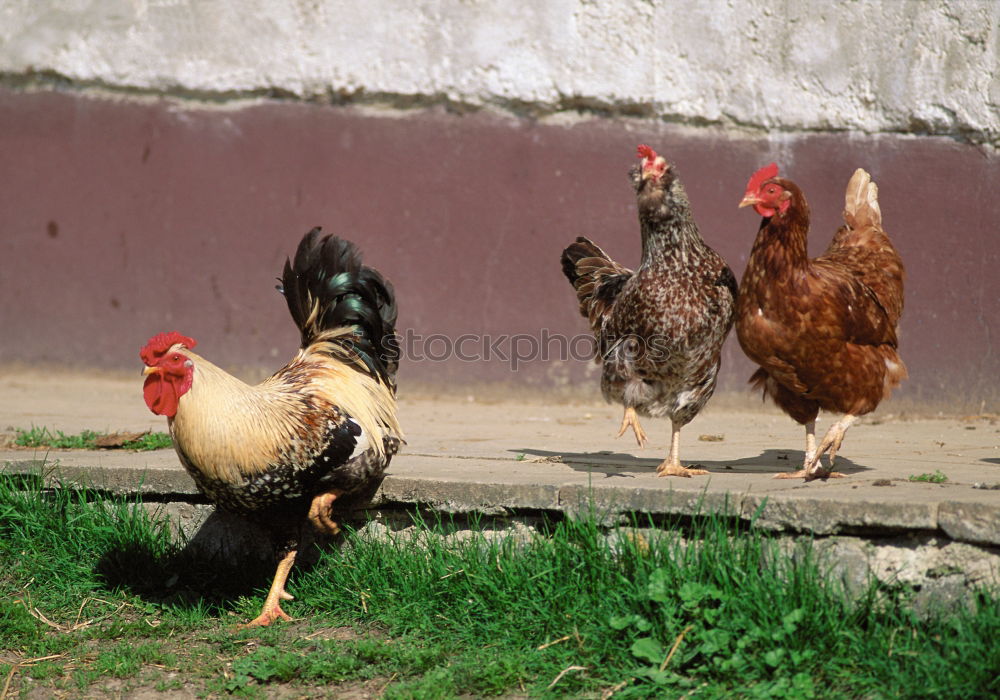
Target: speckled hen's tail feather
<point>596,277</point>
<point>329,291</point>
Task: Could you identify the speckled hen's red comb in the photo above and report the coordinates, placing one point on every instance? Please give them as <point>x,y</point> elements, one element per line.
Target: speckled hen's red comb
<point>159,344</point>
<point>758,178</point>
<point>646,152</point>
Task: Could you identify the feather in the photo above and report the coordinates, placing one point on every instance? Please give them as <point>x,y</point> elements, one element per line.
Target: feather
<point>328,288</point>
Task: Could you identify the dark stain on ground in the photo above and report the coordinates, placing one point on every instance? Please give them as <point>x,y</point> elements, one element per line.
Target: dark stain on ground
<point>52,228</point>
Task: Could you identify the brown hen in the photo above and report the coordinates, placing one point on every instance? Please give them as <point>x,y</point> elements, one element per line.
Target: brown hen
<point>823,330</point>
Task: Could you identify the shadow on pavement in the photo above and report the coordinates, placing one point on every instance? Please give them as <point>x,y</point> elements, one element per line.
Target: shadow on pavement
<point>618,464</point>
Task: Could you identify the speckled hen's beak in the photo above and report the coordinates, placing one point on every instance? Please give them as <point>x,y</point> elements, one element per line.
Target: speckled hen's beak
<point>150,370</point>
<point>748,201</point>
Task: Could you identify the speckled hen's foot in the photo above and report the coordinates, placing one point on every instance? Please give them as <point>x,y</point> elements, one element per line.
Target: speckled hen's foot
<point>631,420</point>
<point>667,468</point>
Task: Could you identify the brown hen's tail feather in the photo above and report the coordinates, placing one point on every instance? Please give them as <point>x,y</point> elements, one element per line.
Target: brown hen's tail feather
<point>335,299</point>
<point>596,277</point>
<point>861,201</point>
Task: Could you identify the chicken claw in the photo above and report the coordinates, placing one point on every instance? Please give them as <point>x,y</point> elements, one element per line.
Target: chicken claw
<point>272,607</point>
<point>319,512</point>
<point>666,468</point>
<point>810,476</point>
<point>830,444</point>
<point>631,419</point>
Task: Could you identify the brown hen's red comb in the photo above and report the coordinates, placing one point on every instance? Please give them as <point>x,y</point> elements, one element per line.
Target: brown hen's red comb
<point>758,178</point>
<point>646,152</point>
<point>159,344</point>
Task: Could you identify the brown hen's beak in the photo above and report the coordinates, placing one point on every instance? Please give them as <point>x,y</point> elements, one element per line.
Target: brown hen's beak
<point>150,370</point>
<point>748,200</point>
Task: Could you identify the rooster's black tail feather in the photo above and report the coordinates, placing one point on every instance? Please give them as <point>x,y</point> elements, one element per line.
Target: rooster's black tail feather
<point>327,287</point>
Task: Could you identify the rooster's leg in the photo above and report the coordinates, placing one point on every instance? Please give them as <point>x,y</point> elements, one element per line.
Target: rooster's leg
<point>631,420</point>
<point>272,606</point>
<point>671,466</point>
<point>830,444</point>
<point>319,512</point>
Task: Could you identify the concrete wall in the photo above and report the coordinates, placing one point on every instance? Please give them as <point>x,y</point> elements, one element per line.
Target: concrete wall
<point>158,160</point>
<point>874,66</point>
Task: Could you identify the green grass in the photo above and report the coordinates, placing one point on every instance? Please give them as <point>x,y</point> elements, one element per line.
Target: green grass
<point>721,613</point>
<point>86,440</point>
<point>938,477</point>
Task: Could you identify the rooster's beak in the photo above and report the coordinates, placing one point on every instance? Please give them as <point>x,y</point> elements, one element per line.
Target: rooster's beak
<point>748,200</point>
<point>150,370</point>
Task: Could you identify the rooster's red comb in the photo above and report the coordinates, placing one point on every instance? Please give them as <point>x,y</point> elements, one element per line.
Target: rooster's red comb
<point>758,178</point>
<point>646,152</point>
<point>159,344</point>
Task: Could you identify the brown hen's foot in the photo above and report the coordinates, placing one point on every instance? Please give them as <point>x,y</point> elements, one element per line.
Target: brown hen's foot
<point>805,474</point>
<point>319,512</point>
<point>830,444</point>
<point>631,420</point>
<point>667,468</point>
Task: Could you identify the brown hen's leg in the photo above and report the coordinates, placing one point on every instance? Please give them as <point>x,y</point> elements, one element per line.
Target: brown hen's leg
<point>272,607</point>
<point>631,419</point>
<point>671,466</point>
<point>810,453</point>
<point>319,512</point>
<point>830,444</point>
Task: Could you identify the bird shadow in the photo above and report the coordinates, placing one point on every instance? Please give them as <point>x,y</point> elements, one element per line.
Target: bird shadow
<point>990,460</point>
<point>627,466</point>
<point>225,558</point>
<point>200,573</point>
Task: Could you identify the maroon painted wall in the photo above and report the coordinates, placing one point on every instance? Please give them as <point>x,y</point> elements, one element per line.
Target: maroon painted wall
<point>120,218</point>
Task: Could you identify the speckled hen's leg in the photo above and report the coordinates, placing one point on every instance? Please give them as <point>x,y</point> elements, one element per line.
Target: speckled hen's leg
<point>272,608</point>
<point>671,466</point>
<point>631,420</point>
<point>319,512</point>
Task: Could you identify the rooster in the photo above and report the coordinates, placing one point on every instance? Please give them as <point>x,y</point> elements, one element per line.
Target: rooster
<point>660,329</point>
<point>823,330</point>
<point>323,426</point>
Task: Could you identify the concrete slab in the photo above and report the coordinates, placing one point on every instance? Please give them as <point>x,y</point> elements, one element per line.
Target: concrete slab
<point>465,456</point>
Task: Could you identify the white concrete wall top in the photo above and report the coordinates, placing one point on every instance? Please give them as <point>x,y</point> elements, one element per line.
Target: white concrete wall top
<point>925,66</point>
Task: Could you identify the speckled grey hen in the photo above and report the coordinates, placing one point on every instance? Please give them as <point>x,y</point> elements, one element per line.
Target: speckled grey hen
<point>659,329</point>
<point>322,427</point>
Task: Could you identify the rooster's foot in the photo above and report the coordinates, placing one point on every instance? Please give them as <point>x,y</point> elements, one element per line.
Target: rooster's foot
<point>272,606</point>
<point>268,615</point>
<point>668,468</point>
<point>319,512</point>
<point>631,420</point>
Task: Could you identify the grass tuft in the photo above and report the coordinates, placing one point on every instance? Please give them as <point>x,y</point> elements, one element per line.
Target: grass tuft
<point>938,477</point>
<point>89,440</point>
